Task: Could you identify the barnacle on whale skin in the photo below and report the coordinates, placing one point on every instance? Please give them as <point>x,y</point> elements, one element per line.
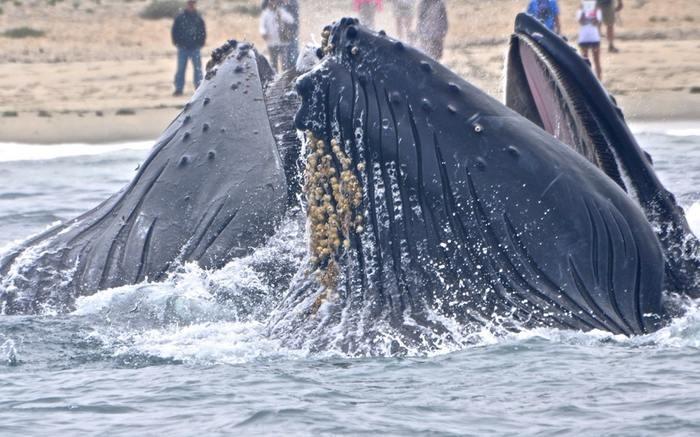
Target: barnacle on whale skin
<point>333,210</point>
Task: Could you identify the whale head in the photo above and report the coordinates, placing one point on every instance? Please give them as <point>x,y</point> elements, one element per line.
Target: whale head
<point>431,207</point>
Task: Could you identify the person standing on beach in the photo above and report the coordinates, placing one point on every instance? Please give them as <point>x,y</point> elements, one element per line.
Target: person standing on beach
<point>547,11</point>
<point>403,11</point>
<point>273,21</point>
<point>589,17</point>
<point>367,9</point>
<point>431,28</point>
<point>609,9</point>
<point>189,34</point>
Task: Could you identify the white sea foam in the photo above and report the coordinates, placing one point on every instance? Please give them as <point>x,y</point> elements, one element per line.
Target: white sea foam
<point>206,343</point>
<point>235,342</point>
<point>41,152</point>
<point>692,214</point>
<point>185,319</point>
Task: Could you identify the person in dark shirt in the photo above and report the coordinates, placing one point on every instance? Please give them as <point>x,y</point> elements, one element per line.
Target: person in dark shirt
<point>189,34</point>
<point>609,9</point>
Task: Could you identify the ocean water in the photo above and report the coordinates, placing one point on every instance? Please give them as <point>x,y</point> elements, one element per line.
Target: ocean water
<point>170,359</point>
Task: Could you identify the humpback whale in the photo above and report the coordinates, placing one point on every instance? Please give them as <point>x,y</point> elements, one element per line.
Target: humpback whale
<point>432,204</point>
<point>432,209</point>
<point>212,188</point>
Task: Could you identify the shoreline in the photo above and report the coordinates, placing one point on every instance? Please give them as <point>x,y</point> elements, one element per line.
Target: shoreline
<point>62,87</point>
<point>142,124</point>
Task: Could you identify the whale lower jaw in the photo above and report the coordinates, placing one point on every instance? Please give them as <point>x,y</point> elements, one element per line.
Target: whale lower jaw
<point>432,206</point>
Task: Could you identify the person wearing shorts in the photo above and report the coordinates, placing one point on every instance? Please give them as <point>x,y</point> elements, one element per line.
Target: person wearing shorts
<point>589,17</point>
<point>609,8</point>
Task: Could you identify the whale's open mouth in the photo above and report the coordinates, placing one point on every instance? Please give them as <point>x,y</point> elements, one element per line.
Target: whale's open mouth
<point>543,87</point>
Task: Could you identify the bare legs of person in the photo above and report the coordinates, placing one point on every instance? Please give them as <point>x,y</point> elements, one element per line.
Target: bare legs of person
<point>596,62</point>
<point>611,38</point>
<point>276,57</point>
<point>596,59</point>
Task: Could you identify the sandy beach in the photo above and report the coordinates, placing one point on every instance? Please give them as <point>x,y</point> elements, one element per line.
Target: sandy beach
<point>101,73</point>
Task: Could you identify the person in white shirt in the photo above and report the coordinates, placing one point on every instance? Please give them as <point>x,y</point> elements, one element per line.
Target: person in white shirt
<point>273,22</point>
<point>589,17</point>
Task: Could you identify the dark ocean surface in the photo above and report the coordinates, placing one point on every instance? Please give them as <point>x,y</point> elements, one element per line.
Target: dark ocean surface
<point>168,359</point>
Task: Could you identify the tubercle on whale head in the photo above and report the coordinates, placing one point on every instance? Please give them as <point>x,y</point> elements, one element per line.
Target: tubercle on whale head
<point>354,52</point>
<point>240,50</point>
<point>220,53</point>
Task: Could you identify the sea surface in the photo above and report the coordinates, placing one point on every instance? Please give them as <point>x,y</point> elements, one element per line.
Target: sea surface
<point>167,359</point>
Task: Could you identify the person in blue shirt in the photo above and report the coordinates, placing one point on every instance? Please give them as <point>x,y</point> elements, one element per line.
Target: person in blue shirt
<point>547,11</point>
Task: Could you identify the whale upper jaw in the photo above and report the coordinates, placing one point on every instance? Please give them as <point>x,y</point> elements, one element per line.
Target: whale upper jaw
<point>551,85</point>
<point>548,83</point>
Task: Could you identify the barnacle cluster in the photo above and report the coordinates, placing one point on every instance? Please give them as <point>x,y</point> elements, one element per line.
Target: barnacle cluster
<point>325,46</point>
<point>334,198</point>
